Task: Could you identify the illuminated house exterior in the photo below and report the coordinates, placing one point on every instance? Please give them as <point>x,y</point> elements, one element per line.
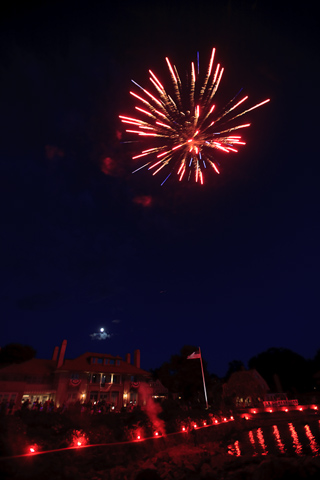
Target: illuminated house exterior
<point>90,377</point>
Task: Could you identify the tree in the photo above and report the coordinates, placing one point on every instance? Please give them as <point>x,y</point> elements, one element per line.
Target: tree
<point>16,353</point>
<point>183,376</point>
<point>283,369</point>
<point>234,366</point>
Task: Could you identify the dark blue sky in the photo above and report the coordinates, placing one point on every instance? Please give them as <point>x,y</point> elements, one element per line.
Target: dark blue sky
<point>232,266</point>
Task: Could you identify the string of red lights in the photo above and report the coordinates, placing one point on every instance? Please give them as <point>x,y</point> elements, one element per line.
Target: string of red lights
<point>81,442</point>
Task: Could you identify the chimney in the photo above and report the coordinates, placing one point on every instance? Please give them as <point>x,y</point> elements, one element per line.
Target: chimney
<point>62,352</point>
<point>137,358</point>
<point>128,358</point>
<point>55,354</point>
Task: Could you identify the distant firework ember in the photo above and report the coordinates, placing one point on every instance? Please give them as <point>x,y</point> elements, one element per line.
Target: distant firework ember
<point>186,131</point>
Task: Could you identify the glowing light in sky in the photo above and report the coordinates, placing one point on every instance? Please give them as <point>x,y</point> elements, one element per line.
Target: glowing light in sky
<point>101,335</point>
<point>187,128</point>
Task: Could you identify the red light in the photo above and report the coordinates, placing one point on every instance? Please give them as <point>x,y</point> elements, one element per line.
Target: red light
<point>270,410</point>
<point>216,421</point>
<point>156,434</point>
<point>138,437</point>
<point>204,423</point>
<point>79,444</point>
<point>315,408</point>
<point>254,411</point>
<point>286,410</point>
<point>300,409</point>
<point>183,429</point>
<point>195,426</point>
<point>32,450</point>
<point>224,419</point>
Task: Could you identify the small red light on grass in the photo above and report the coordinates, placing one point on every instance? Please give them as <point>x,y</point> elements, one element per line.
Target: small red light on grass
<point>224,419</point>
<point>32,450</point>
<point>183,429</point>
<point>300,409</point>
<point>270,411</point>
<point>231,418</point>
<point>138,437</point>
<point>216,421</point>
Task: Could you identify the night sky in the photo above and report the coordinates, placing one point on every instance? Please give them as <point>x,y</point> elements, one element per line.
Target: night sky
<point>233,265</point>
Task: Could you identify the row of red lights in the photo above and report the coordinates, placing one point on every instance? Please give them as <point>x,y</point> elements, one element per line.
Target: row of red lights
<point>194,426</point>
<point>270,410</point>
<point>79,443</point>
<point>184,429</point>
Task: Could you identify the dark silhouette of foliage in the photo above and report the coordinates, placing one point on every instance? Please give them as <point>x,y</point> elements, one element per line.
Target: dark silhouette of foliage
<point>234,366</point>
<point>16,353</point>
<point>283,370</point>
<point>183,376</point>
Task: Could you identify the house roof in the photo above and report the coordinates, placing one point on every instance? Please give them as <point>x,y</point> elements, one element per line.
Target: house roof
<point>245,382</point>
<point>83,363</point>
<point>35,366</point>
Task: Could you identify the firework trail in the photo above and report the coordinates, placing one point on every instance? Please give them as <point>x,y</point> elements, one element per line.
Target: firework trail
<point>185,128</point>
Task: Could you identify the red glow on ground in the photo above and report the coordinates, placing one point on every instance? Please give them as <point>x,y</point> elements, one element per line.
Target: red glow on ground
<point>270,411</point>
<point>315,408</point>
<point>254,411</point>
<point>286,410</point>
<point>300,409</point>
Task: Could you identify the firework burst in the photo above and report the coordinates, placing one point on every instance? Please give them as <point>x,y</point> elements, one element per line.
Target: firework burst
<point>185,128</point>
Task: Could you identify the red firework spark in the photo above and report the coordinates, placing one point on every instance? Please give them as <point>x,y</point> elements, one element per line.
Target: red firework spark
<point>185,127</point>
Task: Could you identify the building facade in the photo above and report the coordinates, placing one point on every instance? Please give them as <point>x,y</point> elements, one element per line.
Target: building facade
<point>91,377</point>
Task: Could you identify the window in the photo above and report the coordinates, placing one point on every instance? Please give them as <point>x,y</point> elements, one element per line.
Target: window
<point>111,361</point>
<point>94,396</point>
<point>105,361</point>
<point>115,398</point>
<point>117,362</point>
<point>116,379</point>
<point>100,360</point>
<point>105,379</point>
<point>93,360</point>
<point>95,378</point>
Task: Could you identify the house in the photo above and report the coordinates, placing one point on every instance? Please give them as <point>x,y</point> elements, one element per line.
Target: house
<point>90,377</point>
<point>245,388</point>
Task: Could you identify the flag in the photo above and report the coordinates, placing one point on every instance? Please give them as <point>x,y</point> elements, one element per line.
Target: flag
<point>194,355</point>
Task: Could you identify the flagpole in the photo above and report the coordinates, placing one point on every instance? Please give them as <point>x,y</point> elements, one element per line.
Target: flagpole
<point>204,384</point>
